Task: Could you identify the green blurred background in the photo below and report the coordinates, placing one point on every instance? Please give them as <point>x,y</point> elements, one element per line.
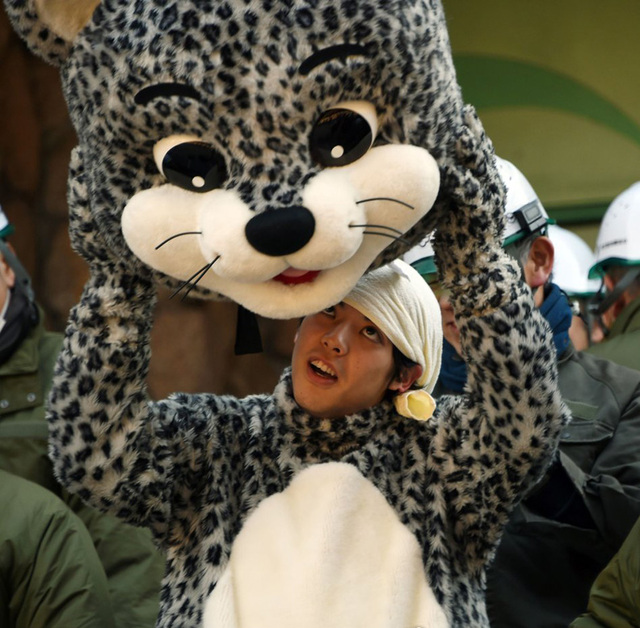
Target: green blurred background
<point>557,86</point>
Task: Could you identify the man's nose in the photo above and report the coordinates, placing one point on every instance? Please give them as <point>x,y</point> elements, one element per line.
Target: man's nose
<point>337,339</point>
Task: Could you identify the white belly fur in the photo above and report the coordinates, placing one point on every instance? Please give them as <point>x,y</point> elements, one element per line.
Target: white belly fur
<point>327,552</point>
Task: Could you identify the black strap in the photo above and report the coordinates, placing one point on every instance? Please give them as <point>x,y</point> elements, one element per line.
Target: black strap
<point>618,289</point>
<point>247,333</point>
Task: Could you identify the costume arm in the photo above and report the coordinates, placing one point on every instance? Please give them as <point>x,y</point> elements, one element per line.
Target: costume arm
<point>141,461</point>
<point>496,439</point>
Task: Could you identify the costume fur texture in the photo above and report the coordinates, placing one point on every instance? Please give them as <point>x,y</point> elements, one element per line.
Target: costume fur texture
<point>196,468</point>
<point>238,91</point>
<point>243,85</point>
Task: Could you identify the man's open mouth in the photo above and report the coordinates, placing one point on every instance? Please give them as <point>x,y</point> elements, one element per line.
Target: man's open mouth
<point>295,276</point>
<point>320,368</point>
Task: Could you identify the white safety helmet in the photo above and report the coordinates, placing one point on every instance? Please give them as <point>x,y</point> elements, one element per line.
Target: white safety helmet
<point>618,242</point>
<point>23,280</point>
<point>422,258</point>
<point>572,260</point>
<point>6,228</point>
<point>524,215</point>
<point>524,212</point>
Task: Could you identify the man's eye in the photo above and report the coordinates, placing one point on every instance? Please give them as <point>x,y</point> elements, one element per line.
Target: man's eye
<point>340,137</point>
<point>329,311</point>
<point>371,332</point>
<point>192,165</point>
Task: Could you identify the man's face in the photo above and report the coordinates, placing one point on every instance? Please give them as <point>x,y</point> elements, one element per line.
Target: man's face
<point>341,364</point>
<point>7,281</point>
<point>450,330</point>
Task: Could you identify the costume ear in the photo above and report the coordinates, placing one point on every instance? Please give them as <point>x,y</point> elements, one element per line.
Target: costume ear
<point>66,18</point>
<point>49,27</point>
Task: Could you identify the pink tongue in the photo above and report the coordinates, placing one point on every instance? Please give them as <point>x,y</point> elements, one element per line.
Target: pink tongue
<point>294,272</point>
<point>295,276</point>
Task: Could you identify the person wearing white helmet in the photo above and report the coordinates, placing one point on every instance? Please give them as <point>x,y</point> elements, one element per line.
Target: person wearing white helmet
<point>618,265</point>
<point>573,259</point>
<point>566,530</point>
<point>131,566</point>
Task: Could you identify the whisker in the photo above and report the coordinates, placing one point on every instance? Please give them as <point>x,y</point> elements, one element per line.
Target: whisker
<point>177,235</point>
<point>195,283</point>
<point>387,235</point>
<point>385,198</point>
<point>188,281</point>
<point>379,227</point>
<point>199,274</point>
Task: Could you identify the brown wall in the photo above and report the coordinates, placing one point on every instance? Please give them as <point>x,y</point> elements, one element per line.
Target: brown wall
<point>192,341</point>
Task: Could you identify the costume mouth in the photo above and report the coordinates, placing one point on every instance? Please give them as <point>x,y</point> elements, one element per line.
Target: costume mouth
<point>296,276</point>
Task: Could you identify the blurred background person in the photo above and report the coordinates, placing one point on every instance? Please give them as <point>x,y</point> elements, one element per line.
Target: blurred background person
<point>133,567</point>
<point>618,264</point>
<point>568,528</point>
<point>50,573</point>
<point>573,258</point>
<point>614,600</point>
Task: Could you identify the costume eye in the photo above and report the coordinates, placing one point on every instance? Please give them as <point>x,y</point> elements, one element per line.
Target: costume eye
<point>343,134</point>
<point>190,163</point>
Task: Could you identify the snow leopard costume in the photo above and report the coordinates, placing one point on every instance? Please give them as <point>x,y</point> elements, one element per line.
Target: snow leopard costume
<point>262,150</point>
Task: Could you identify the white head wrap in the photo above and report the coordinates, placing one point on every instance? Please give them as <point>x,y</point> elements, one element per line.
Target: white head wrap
<point>399,301</point>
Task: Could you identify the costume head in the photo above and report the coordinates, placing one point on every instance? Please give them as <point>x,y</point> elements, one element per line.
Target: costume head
<point>400,303</point>
<point>270,152</point>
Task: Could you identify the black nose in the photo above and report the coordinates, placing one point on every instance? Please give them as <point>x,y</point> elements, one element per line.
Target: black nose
<point>281,231</point>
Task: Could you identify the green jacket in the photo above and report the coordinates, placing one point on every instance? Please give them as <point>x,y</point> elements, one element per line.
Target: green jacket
<point>133,566</point>
<point>50,574</point>
<point>545,565</point>
<point>623,342</point>
<point>614,601</point>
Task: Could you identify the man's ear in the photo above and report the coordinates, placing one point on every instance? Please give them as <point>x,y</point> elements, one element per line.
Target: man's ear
<point>7,273</point>
<point>539,264</point>
<point>406,379</point>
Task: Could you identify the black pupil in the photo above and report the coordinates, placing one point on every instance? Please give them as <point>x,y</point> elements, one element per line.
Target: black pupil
<point>340,137</point>
<point>195,166</point>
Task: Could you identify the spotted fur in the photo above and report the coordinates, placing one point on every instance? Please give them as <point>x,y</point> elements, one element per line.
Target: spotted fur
<point>194,467</point>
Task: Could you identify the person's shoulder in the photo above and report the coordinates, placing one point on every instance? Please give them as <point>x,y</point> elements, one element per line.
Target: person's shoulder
<point>623,350</point>
<point>48,343</point>
<point>602,369</point>
<point>52,339</point>
<point>31,505</point>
